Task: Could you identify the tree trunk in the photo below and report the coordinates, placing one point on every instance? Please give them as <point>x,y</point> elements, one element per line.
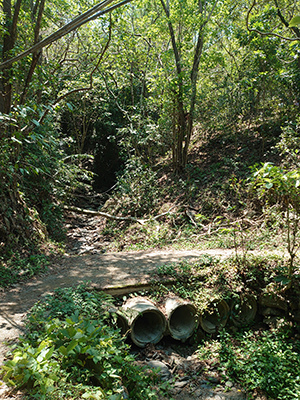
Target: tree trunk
<point>182,128</point>
<point>194,78</point>
<point>8,43</point>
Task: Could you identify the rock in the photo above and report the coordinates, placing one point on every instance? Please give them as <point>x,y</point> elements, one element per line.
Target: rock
<point>180,384</point>
<point>229,384</point>
<point>273,300</point>
<point>160,368</point>
<point>205,386</point>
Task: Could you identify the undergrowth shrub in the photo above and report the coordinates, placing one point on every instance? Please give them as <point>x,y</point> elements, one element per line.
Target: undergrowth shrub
<point>18,267</point>
<point>268,361</point>
<point>72,350</point>
<point>137,187</point>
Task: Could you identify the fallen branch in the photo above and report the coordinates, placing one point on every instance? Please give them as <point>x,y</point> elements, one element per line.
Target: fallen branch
<point>190,215</point>
<point>109,216</point>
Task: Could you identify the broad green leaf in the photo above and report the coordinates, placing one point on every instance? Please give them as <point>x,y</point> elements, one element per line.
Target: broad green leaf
<point>295,21</point>
<point>42,345</point>
<point>96,395</point>
<point>71,345</point>
<point>49,353</point>
<point>63,350</point>
<point>78,335</point>
<point>45,354</point>
<point>70,107</point>
<point>282,279</point>
<point>50,328</point>
<point>71,331</point>
<point>115,397</point>
<point>36,122</point>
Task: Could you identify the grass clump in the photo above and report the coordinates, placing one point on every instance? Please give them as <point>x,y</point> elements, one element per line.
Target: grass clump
<point>73,350</point>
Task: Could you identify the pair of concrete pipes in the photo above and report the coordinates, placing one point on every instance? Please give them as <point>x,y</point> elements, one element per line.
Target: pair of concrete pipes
<point>178,318</point>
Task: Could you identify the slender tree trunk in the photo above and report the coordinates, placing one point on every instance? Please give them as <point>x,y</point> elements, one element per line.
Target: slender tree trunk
<point>36,56</point>
<point>9,39</point>
<point>182,132</point>
<point>179,130</point>
<point>194,78</point>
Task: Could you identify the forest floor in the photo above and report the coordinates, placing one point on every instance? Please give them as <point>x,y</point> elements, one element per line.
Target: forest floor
<point>105,270</point>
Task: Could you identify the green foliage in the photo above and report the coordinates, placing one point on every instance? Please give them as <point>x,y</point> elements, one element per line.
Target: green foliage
<point>67,301</point>
<point>19,267</point>
<point>49,176</point>
<point>208,279</point>
<point>138,188</point>
<point>72,350</point>
<point>141,136</point>
<point>289,144</point>
<point>34,162</point>
<point>268,361</point>
<point>295,21</point>
<point>78,351</point>
<point>249,86</point>
<point>277,186</point>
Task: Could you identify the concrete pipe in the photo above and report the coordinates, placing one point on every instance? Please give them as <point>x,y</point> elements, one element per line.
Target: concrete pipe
<point>119,319</point>
<point>215,316</point>
<point>122,323</point>
<point>243,310</point>
<point>147,323</point>
<point>181,318</point>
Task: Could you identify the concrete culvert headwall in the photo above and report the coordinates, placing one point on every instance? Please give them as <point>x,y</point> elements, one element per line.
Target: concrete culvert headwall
<point>181,317</point>
<point>147,323</point>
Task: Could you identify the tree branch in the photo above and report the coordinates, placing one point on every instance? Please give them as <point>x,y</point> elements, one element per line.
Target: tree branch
<point>91,78</point>
<point>109,216</point>
<point>82,19</point>
<point>265,33</point>
<point>284,21</point>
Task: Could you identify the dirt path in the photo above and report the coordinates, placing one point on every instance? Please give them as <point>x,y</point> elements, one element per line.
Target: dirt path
<point>112,269</point>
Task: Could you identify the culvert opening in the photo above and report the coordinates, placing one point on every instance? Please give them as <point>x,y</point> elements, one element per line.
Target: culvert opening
<point>182,322</point>
<point>244,310</point>
<point>215,317</point>
<point>211,321</point>
<point>148,327</point>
